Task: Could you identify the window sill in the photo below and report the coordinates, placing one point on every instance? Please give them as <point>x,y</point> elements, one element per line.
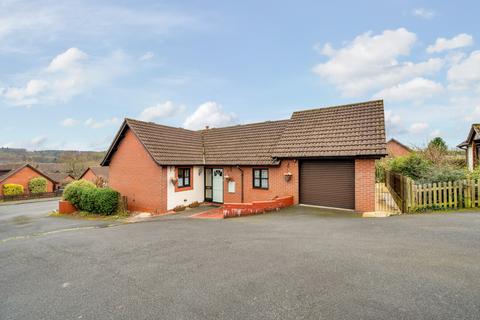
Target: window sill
<point>180,189</point>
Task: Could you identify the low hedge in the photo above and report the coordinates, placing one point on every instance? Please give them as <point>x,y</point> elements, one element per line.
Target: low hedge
<point>87,197</point>
<point>37,185</point>
<point>73,189</point>
<point>12,189</point>
<point>106,201</point>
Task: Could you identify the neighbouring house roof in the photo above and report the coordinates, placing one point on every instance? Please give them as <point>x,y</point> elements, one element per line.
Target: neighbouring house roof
<point>349,130</point>
<point>51,167</point>
<point>14,168</point>
<point>393,140</point>
<point>99,171</point>
<point>7,168</point>
<point>60,177</point>
<point>473,134</point>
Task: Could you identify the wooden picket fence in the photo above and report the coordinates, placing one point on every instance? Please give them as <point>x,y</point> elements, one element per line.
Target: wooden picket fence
<point>412,197</point>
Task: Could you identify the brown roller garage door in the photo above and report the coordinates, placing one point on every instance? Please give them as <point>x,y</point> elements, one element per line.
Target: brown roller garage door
<point>328,183</point>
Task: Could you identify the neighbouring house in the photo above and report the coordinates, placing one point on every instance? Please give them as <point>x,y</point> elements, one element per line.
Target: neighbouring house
<point>96,174</point>
<point>61,179</point>
<point>322,157</point>
<point>22,174</point>
<point>472,146</point>
<point>397,149</point>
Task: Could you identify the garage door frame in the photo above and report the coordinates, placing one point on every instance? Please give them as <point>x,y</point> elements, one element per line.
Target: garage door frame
<point>341,163</point>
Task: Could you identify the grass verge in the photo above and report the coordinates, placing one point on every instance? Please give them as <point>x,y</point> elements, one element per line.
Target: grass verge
<point>90,216</point>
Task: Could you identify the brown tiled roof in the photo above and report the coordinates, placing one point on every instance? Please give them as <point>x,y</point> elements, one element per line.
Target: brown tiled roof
<point>100,171</point>
<point>169,145</point>
<point>349,130</point>
<point>59,177</point>
<point>7,168</point>
<point>473,134</point>
<point>249,144</point>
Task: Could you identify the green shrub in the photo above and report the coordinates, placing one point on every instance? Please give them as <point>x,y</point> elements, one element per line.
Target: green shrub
<point>475,174</point>
<point>73,191</point>
<point>106,200</point>
<point>37,185</point>
<point>87,199</point>
<point>12,189</point>
<point>414,166</point>
<point>442,174</point>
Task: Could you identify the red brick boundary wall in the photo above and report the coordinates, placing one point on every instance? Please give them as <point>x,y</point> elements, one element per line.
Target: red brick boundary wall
<point>231,210</point>
<point>66,207</point>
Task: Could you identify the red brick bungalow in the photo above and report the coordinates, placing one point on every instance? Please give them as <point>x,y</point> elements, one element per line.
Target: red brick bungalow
<point>22,174</point>
<point>397,149</point>
<point>322,157</point>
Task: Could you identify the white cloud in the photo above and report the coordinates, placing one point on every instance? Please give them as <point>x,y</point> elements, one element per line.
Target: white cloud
<point>435,133</point>
<point>423,13</point>
<point>418,127</point>
<point>459,41</point>
<point>28,24</point>
<point>417,89</point>
<point>209,114</point>
<point>27,94</point>
<point>67,60</point>
<point>393,123</point>
<point>94,124</point>
<point>147,56</point>
<point>69,122</point>
<point>466,73</point>
<point>166,109</point>
<point>38,141</point>
<point>69,74</point>
<point>371,62</point>
<point>473,115</point>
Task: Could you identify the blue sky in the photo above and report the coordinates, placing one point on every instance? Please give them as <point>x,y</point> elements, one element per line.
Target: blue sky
<point>70,72</point>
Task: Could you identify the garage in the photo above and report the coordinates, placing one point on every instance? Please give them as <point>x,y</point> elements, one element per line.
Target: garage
<point>328,183</point>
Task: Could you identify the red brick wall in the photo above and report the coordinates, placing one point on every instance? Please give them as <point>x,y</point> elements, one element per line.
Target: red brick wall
<point>90,176</point>
<point>23,177</point>
<point>394,149</point>
<point>134,174</point>
<point>278,187</point>
<point>364,185</point>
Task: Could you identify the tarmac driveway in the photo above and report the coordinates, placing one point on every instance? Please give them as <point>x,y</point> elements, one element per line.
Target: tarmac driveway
<point>32,219</point>
<point>299,263</point>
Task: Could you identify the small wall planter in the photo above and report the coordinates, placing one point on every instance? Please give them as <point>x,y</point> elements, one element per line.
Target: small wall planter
<point>66,207</point>
<point>287,176</point>
<point>174,181</point>
<point>231,210</point>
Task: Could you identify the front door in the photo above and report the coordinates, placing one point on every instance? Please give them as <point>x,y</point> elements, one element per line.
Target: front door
<point>217,185</point>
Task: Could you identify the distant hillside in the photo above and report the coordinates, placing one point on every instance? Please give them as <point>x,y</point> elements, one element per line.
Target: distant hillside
<point>74,162</point>
<point>9,155</point>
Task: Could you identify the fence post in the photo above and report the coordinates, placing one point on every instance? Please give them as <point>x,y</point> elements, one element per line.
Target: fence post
<point>466,194</point>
